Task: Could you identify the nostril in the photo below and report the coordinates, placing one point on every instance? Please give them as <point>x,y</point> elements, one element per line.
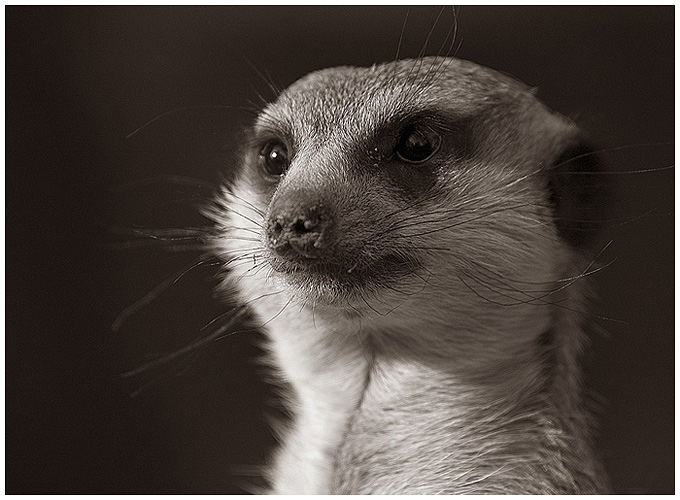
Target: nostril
<point>302,226</point>
<point>305,224</point>
<point>277,227</point>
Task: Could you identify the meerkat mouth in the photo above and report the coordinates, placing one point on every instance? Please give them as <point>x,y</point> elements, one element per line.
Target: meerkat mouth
<point>332,279</point>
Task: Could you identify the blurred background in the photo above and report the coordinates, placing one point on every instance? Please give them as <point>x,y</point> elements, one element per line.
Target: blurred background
<point>185,81</point>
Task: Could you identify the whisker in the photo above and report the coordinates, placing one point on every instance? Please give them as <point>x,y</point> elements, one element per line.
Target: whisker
<point>615,149</point>
<point>250,302</point>
<point>172,234</point>
<point>179,110</point>
<point>246,218</point>
<point>178,246</point>
<point>487,299</point>
<point>466,221</point>
<point>588,271</point>
<point>231,229</point>
<point>245,255</point>
<point>371,307</point>
<point>166,179</point>
<point>240,313</point>
<point>155,292</point>
<point>614,172</point>
<point>429,35</point>
<point>248,203</point>
<point>401,34</point>
<point>555,303</point>
<point>278,313</point>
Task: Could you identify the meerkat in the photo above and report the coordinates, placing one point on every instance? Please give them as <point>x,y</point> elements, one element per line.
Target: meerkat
<point>411,239</point>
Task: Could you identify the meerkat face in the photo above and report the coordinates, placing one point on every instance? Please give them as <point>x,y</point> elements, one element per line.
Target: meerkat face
<point>370,180</point>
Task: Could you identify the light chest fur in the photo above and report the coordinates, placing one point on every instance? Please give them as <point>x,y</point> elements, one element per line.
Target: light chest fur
<point>406,237</point>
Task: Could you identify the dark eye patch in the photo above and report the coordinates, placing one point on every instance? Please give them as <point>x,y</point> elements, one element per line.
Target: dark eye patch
<point>416,148</point>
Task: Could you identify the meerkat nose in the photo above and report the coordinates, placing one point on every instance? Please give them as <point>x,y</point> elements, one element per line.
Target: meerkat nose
<point>295,231</point>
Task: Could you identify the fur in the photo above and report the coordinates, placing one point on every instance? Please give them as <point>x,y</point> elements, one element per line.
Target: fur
<point>437,350</point>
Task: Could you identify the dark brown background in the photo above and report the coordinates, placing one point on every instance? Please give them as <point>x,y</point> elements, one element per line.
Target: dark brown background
<point>78,80</point>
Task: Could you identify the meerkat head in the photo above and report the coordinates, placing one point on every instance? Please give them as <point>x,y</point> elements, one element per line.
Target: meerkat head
<point>432,175</point>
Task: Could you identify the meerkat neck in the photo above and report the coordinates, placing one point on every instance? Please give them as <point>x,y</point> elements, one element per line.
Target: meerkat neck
<point>373,415</point>
<point>328,371</point>
<point>482,435</point>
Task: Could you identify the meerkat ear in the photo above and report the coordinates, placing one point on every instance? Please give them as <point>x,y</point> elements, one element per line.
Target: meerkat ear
<point>578,193</point>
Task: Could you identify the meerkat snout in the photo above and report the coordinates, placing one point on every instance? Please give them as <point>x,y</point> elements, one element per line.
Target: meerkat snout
<point>297,229</point>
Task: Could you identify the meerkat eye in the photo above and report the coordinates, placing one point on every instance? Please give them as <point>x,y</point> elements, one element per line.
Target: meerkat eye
<point>417,144</point>
<point>274,158</point>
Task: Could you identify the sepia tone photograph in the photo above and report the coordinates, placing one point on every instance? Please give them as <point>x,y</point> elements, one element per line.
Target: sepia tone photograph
<point>339,250</point>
